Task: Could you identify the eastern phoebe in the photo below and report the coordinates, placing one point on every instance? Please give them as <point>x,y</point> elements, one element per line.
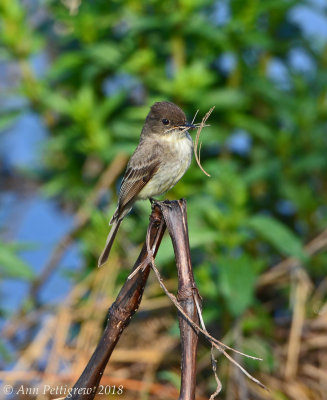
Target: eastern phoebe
<point>158,163</point>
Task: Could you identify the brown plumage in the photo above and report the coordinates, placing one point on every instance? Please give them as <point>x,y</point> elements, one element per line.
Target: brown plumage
<point>159,161</point>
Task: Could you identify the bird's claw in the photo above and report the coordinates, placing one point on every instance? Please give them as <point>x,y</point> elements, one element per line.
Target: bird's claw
<point>168,204</point>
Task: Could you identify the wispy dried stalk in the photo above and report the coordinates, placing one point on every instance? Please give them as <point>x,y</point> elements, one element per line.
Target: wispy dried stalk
<point>214,369</point>
<point>216,343</point>
<point>197,148</point>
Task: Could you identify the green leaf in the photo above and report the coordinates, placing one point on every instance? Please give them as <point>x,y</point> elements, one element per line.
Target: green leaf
<point>12,265</point>
<point>224,99</point>
<point>237,281</point>
<point>104,54</point>
<point>65,64</point>
<point>278,235</point>
<point>57,102</point>
<point>256,127</point>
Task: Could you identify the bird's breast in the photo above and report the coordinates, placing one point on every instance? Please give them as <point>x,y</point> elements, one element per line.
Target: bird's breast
<point>175,159</point>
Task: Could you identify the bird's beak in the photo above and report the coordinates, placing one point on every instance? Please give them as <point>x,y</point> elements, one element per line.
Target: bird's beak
<point>189,126</point>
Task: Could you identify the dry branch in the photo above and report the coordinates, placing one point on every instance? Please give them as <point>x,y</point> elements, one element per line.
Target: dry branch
<point>176,221</point>
<point>188,303</point>
<point>120,313</point>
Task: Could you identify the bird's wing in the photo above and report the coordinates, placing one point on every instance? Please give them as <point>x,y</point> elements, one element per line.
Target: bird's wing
<point>142,166</point>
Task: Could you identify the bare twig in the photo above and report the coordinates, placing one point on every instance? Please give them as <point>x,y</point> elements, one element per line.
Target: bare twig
<point>216,343</point>
<point>219,345</point>
<point>120,312</point>
<point>302,292</point>
<point>150,253</point>
<point>213,361</point>
<point>214,369</point>
<point>130,296</point>
<point>174,300</point>
<point>188,296</point>
<point>196,113</point>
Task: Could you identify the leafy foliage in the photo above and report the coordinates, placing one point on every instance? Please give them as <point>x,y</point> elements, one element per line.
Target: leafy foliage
<point>11,265</point>
<point>265,149</point>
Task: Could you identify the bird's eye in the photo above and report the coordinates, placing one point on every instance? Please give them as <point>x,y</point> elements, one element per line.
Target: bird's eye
<point>165,121</point>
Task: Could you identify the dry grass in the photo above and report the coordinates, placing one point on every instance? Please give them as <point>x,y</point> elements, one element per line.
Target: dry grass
<point>197,147</point>
<point>67,337</point>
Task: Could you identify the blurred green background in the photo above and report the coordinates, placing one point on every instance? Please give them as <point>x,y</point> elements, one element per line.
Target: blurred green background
<point>77,80</point>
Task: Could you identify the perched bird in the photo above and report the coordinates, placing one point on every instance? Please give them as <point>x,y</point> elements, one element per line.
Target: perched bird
<point>161,158</point>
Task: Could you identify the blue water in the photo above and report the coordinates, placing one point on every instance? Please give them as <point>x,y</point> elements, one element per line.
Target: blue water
<point>30,217</point>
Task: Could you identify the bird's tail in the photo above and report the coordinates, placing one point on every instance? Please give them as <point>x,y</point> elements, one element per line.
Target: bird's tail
<point>110,239</point>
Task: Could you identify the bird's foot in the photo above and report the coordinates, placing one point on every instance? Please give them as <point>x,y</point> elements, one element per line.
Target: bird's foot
<point>153,201</point>
<point>168,204</point>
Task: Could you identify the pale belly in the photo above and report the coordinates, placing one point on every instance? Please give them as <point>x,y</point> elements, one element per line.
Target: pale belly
<point>170,173</point>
